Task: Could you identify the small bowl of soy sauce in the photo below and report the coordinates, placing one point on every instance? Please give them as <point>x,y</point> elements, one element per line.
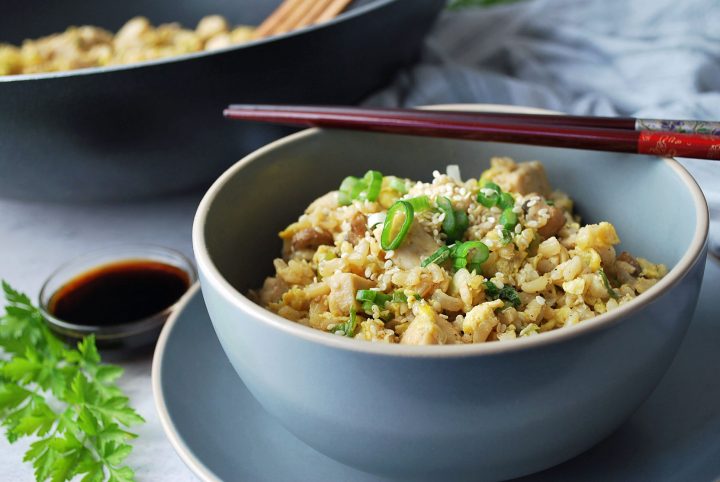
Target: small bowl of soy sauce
<point>121,294</point>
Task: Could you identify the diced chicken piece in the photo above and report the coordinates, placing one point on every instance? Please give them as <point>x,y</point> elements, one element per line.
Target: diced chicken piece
<point>311,238</point>
<point>329,200</point>
<point>343,287</point>
<point>481,320</point>
<point>526,178</point>
<point>429,329</point>
<point>417,246</point>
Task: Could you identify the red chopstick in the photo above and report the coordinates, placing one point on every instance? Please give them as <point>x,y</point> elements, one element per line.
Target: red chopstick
<point>516,128</point>
<point>625,123</point>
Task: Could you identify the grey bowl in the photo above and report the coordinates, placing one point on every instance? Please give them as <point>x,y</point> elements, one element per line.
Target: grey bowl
<point>489,411</point>
<point>117,133</point>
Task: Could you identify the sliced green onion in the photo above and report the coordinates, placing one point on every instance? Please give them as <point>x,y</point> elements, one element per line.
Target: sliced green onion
<point>448,225</point>
<point>344,199</point>
<point>366,295</point>
<point>493,186</point>
<point>399,297</point>
<point>487,199</point>
<point>455,223</point>
<point>382,298</point>
<point>439,256</point>
<point>373,297</point>
<point>353,188</point>
<point>611,292</point>
<point>506,201</point>
<point>461,224</point>
<point>420,203</point>
<point>347,328</point>
<point>398,185</point>
<point>508,219</point>
<point>481,254</point>
<point>346,189</point>
<point>373,180</point>
<point>397,224</point>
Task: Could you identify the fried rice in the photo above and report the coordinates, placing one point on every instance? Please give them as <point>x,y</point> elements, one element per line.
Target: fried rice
<point>495,258</point>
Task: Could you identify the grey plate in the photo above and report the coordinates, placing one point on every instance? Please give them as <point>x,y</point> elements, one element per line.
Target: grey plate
<point>221,432</point>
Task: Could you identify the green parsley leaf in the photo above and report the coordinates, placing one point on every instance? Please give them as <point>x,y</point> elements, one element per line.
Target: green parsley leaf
<point>63,396</point>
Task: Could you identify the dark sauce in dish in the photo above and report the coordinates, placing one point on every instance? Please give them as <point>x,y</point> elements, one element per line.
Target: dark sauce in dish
<point>118,293</point>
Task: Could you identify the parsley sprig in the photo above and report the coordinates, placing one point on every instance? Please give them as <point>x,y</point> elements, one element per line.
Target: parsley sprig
<point>64,397</point>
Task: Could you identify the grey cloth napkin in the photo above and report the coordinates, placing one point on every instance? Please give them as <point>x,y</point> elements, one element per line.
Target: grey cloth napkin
<point>644,58</point>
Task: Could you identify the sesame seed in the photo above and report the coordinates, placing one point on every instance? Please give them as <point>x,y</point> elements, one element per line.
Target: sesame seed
<point>540,300</point>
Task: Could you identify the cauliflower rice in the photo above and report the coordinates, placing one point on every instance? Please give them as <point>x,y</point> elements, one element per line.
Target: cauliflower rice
<point>543,269</point>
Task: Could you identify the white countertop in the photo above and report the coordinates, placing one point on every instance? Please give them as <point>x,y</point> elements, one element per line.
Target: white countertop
<point>35,238</point>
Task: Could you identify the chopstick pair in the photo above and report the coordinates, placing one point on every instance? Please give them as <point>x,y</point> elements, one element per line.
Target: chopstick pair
<point>674,138</point>
<point>295,14</point>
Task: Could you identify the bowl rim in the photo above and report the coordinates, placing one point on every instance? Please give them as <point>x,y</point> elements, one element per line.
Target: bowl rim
<point>343,17</point>
<point>603,321</point>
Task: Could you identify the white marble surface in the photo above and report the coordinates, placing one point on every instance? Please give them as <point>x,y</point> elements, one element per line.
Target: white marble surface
<point>35,238</point>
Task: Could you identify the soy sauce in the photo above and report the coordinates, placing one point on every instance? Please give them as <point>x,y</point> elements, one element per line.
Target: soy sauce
<point>119,293</point>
